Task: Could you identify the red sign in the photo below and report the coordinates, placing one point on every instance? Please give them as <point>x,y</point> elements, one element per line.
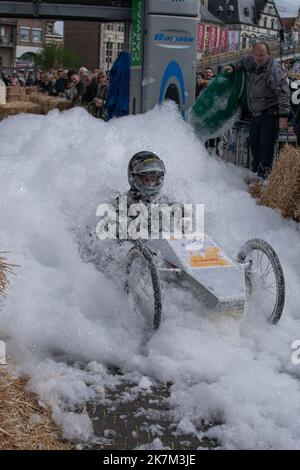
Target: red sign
<point>201,37</point>
<point>212,37</point>
<point>223,40</point>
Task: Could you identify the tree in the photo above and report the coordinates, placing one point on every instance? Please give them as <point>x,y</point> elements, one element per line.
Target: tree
<point>52,56</point>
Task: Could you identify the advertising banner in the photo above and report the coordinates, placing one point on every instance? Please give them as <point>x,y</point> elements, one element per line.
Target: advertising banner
<point>212,37</point>
<point>223,40</point>
<point>233,40</point>
<point>201,37</point>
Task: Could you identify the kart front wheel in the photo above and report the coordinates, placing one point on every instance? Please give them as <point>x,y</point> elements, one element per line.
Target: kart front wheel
<point>265,285</point>
<point>142,285</point>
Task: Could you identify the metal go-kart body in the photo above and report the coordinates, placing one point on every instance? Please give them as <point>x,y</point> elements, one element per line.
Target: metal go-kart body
<point>223,284</point>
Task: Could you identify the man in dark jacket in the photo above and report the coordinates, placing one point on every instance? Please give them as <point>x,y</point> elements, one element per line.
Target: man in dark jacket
<point>268,102</point>
<point>60,84</point>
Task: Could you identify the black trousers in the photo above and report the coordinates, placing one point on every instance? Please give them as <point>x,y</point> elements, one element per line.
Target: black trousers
<point>264,131</point>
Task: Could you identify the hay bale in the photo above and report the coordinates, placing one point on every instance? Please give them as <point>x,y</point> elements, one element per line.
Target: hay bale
<point>255,189</point>
<point>24,424</point>
<point>41,99</point>
<point>15,94</point>
<point>34,97</point>
<point>33,108</point>
<point>64,104</point>
<point>283,188</point>
<point>11,109</point>
<point>52,103</point>
<point>5,268</point>
<point>30,89</point>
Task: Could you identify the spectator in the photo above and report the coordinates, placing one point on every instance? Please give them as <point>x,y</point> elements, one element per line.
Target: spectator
<point>268,102</point>
<point>6,79</point>
<point>60,84</point>
<point>14,80</point>
<point>101,96</point>
<point>203,80</point>
<point>45,83</point>
<point>30,82</point>
<point>199,83</point>
<point>208,74</point>
<point>77,89</point>
<point>281,35</point>
<point>82,72</point>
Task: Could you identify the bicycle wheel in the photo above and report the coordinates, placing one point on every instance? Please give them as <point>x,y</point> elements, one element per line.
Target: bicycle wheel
<point>265,285</point>
<point>142,284</point>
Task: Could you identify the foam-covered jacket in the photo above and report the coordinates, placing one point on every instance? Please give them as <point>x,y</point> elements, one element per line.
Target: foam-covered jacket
<point>268,87</point>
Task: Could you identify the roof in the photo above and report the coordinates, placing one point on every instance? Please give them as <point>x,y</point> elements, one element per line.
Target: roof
<point>288,23</point>
<point>238,11</point>
<point>233,11</point>
<point>208,17</point>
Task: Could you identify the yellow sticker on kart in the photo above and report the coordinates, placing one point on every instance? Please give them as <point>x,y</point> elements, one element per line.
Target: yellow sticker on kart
<point>207,258</point>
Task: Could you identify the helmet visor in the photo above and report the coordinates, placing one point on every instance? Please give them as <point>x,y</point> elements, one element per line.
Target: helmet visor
<point>151,179</point>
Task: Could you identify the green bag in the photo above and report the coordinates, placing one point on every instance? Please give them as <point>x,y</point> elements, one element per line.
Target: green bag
<point>215,109</point>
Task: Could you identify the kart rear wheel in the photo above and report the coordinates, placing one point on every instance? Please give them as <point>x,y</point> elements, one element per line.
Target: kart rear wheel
<point>265,285</point>
<point>142,285</point>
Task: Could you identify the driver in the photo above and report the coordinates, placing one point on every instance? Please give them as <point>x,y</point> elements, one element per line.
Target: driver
<point>146,172</point>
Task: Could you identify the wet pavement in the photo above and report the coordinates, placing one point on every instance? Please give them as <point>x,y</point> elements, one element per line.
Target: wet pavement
<point>133,418</point>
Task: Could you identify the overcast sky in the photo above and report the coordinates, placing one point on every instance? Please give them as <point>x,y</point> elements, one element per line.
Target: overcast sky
<point>290,5</point>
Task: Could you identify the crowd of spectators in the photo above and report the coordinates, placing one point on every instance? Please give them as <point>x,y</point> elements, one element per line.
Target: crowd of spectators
<point>82,87</point>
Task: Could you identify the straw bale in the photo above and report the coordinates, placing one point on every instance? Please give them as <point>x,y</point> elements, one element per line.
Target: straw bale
<point>64,104</point>
<point>35,97</point>
<point>30,89</point>
<point>59,103</point>
<point>283,188</point>
<point>15,93</point>
<point>5,268</point>
<point>11,109</point>
<point>294,75</point>
<point>255,189</point>
<point>24,423</point>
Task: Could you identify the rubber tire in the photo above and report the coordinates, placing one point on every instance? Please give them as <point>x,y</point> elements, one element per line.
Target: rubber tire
<point>145,253</point>
<point>262,245</point>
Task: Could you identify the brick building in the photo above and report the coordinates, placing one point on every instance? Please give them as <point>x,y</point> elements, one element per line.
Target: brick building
<point>98,44</point>
<point>21,39</point>
<point>8,30</point>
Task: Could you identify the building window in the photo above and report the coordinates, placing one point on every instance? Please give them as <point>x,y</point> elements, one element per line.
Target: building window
<point>230,10</point>
<point>120,47</point>
<point>121,27</point>
<point>36,35</point>
<point>50,28</point>
<point>110,27</point>
<point>2,31</point>
<point>244,41</point>
<point>25,34</point>
<point>265,22</point>
<point>109,53</point>
<point>272,24</point>
<point>246,11</point>
<point>220,10</point>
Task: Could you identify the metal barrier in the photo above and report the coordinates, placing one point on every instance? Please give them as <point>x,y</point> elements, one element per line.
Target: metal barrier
<point>234,146</point>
